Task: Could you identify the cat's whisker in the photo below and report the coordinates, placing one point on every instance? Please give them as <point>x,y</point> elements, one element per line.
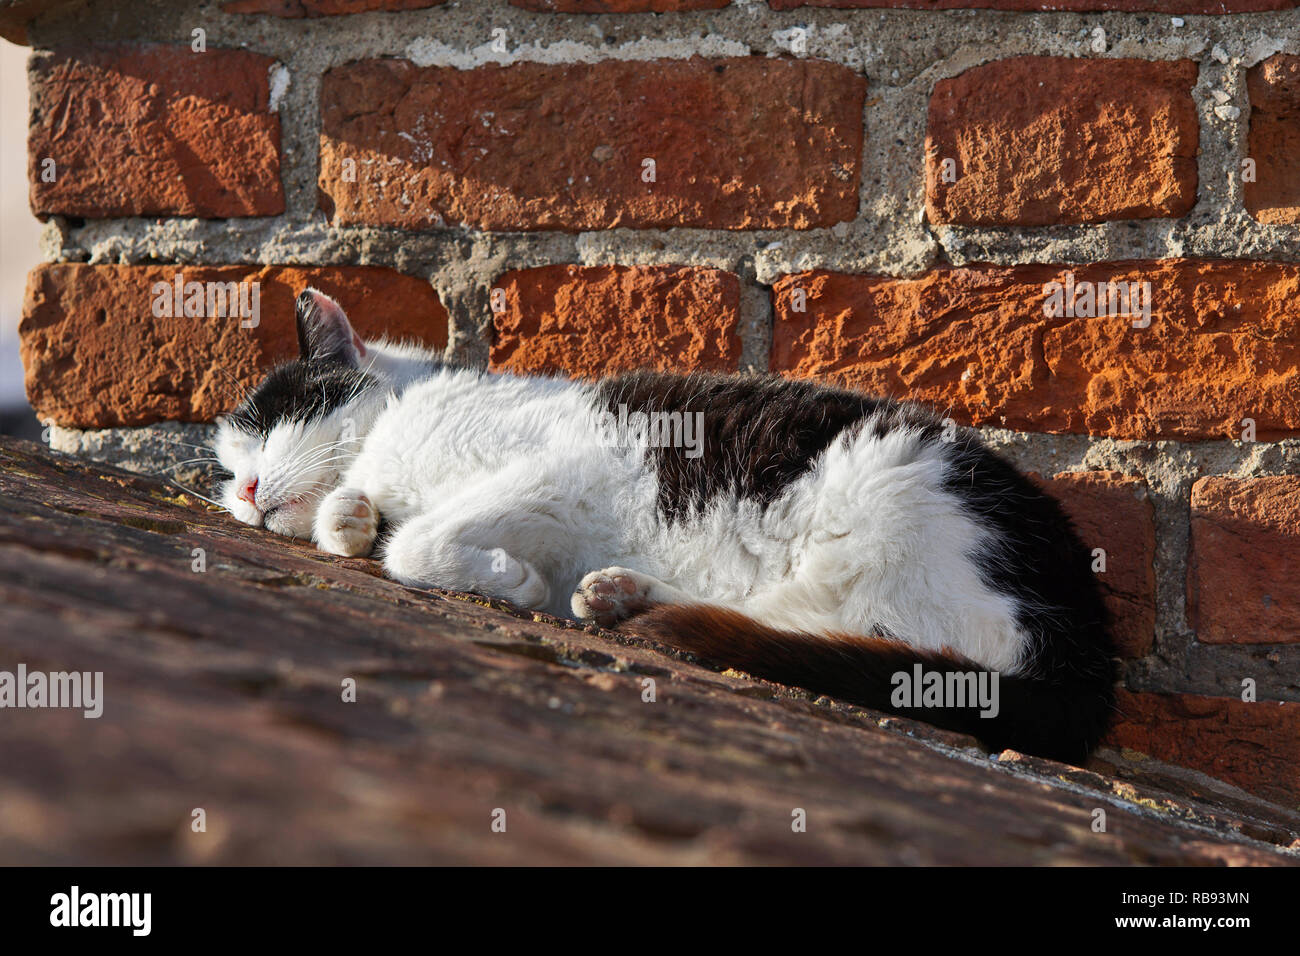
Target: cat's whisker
<point>183,444</point>
<point>241,389</point>
<point>195,494</point>
<point>192,461</point>
<point>319,458</point>
<point>362,380</point>
<point>332,445</point>
<point>317,461</point>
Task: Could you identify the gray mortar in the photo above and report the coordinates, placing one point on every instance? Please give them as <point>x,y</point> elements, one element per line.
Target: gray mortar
<point>165,451</point>
<point>902,53</point>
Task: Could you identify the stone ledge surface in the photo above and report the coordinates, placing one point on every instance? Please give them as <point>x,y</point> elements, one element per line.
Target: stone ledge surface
<point>222,692</point>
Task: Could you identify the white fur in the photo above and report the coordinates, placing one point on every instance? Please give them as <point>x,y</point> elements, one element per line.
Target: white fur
<point>500,484</point>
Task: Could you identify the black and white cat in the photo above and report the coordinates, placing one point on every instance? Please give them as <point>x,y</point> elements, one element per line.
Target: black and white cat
<point>810,535</point>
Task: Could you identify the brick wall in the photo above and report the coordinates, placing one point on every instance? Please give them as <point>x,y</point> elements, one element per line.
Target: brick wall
<point>1071,225</point>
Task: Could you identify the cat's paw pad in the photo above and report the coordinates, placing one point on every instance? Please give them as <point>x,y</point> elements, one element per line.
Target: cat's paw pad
<point>611,595</point>
<point>346,523</point>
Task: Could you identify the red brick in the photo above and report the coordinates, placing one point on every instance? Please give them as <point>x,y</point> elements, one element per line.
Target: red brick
<point>1242,582</point>
<point>1253,745</point>
<point>322,8</point>
<point>1047,140</point>
<point>595,320</point>
<point>975,341</point>
<point>1274,89</point>
<point>738,144</point>
<point>1208,7</point>
<point>618,6</point>
<point>96,356</point>
<point>154,130</point>
<point>1114,512</point>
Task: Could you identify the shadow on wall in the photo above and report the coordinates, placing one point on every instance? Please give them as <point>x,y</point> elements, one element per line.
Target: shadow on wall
<point>19,240</point>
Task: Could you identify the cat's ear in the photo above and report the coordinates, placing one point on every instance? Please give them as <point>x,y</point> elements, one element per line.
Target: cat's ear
<point>324,333</point>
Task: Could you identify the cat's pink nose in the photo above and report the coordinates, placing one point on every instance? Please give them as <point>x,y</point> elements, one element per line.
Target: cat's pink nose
<point>249,492</point>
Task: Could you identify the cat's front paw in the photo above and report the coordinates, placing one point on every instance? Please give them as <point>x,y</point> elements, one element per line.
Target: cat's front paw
<point>611,595</point>
<point>346,523</point>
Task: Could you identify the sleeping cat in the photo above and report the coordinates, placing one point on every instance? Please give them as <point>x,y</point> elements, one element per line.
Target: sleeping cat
<point>806,534</point>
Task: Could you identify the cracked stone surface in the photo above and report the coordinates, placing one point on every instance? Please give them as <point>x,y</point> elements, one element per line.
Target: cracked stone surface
<point>222,692</point>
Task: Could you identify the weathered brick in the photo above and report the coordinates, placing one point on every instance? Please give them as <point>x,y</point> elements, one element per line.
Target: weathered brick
<point>618,6</point>
<point>1253,745</point>
<point>153,130</point>
<point>1048,140</point>
<point>1115,512</point>
<point>1193,7</point>
<point>595,320</point>
<point>322,8</point>
<point>97,355</point>
<point>737,144</point>
<point>1274,88</point>
<point>1242,581</point>
<point>975,342</point>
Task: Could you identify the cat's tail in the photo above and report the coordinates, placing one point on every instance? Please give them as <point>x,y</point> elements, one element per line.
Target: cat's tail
<point>1060,718</point>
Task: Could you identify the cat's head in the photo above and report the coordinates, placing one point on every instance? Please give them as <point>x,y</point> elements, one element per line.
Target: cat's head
<point>288,441</point>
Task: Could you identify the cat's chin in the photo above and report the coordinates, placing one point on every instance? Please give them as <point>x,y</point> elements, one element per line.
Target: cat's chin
<point>293,519</point>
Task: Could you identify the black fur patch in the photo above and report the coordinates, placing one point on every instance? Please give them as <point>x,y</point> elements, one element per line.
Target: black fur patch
<point>298,391</point>
<point>1043,564</point>
<point>760,433</point>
